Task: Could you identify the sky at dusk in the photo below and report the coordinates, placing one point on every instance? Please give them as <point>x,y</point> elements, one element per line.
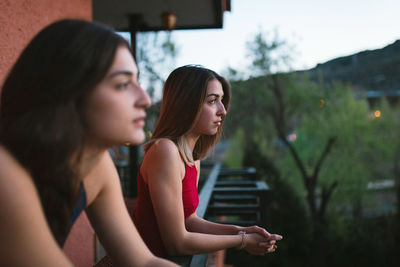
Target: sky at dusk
<point>318,30</point>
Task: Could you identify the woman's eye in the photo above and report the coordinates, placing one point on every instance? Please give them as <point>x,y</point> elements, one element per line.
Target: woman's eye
<point>122,86</point>
<point>213,101</point>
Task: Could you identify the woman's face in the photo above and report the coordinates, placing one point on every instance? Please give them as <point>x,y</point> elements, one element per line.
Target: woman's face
<point>213,110</point>
<point>115,109</point>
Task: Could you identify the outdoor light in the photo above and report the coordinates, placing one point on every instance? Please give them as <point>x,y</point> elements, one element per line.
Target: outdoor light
<point>376,114</point>
<point>321,103</point>
<point>168,20</point>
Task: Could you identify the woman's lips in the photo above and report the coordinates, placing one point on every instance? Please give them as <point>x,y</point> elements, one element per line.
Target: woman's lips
<point>140,122</point>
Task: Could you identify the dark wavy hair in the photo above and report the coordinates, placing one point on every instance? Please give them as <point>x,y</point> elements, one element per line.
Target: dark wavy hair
<point>41,118</point>
<point>183,97</point>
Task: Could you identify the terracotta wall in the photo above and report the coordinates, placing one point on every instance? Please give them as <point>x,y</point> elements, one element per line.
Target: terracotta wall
<point>80,244</point>
<point>20,20</point>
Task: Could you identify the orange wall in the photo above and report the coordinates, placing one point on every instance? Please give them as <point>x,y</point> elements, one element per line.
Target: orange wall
<point>20,20</point>
<point>80,244</point>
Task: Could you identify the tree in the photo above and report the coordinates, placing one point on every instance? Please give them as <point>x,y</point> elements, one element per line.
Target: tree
<point>157,52</point>
<point>319,137</point>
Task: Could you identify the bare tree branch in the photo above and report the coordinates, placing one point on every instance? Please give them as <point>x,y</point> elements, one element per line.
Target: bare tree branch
<point>325,196</point>
<point>321,159</point>
<point>296,158</point>
<point>277,91</point>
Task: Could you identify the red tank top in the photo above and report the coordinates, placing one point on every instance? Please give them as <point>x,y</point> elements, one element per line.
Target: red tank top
<point>145,219</point>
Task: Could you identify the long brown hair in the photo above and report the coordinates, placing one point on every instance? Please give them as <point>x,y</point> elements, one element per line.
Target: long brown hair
<point>41,117</point>
<point>184,94</point>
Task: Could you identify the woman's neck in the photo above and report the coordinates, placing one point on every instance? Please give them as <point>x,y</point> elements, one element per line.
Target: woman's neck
<point>192,140</point>
<point>90,157</point>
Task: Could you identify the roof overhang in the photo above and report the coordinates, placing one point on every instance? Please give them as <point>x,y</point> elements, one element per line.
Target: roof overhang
<point>145,15</point>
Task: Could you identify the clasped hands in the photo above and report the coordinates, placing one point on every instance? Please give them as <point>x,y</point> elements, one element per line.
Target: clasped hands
<point>258,241</point>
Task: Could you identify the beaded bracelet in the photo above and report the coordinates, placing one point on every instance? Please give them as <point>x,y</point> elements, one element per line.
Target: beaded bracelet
<point>243,234</point>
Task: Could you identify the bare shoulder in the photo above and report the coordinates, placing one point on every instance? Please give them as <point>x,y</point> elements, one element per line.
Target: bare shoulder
<point>16,184</point>
<point>162,150</point>
<point>12,174</point>
<point>164,147</point>
<point>162,157</point>
<point>23,224</point>
<point>6,159</point>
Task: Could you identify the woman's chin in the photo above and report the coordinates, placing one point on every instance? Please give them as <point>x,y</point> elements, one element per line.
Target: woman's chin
<point>137,139</point>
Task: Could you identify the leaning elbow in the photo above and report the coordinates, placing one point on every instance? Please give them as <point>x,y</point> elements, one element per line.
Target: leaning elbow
<point>172,250</point>
<point>177,248</point>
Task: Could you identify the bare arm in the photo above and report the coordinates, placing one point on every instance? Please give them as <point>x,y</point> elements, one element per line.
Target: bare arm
<point>111,221</point>
<point>26,239</point>
<point>268,242</point>
<point>195,224</point>
<point>163,171</point>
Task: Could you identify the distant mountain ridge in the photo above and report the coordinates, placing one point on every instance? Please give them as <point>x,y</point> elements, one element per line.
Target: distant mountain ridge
<point>369,70</point>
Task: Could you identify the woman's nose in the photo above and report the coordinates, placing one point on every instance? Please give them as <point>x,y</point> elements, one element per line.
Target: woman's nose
<point>144,100</point>
<point>221,109</point>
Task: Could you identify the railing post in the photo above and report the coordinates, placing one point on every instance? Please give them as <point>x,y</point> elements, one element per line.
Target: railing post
<point>206,191</point>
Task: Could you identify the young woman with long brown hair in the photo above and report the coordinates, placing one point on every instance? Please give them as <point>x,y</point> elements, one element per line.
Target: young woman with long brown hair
<point>194,104</point>
<point>71,95</point>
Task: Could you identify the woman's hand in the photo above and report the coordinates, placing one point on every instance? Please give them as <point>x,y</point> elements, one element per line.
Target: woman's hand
<point>267,244</point>
<point>261,231</point>
<point>252,244</point>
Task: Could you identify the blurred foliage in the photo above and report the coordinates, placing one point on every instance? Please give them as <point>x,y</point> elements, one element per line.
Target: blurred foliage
<point>308,114</point>
<point>156,55</point>
<point>364,149</point>
<point>234,158</point>
<point>272,53</point>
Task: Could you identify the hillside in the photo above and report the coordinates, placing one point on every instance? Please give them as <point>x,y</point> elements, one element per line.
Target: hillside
<point>370,70</point>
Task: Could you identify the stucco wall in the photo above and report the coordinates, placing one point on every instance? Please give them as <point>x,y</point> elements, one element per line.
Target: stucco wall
<point>20,20</point>
<point>79,246</point>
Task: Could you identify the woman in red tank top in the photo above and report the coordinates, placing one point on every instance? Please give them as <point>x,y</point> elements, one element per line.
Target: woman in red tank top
<point>195,100</point>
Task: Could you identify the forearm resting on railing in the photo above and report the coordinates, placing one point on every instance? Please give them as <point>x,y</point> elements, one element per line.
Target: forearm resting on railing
<point>199,225</point>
